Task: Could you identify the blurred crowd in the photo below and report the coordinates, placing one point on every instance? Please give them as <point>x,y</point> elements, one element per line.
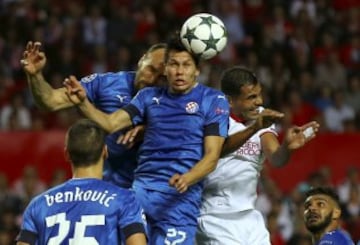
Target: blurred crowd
<point>283,212</point>
<point>305,52</point>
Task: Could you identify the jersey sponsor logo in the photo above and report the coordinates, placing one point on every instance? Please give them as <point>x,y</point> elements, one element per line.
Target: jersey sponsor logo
<point>221,96</point>
<point>249,148</point>
<point>121,98</point>
<point>192,107</point>
<point>78,195</point>
<point>156,99</point>
<point>89,78</point>
<point>219,111</point>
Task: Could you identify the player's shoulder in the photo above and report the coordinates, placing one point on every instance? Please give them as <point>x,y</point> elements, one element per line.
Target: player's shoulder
<point>336,237</point>
<point>109,76</point>
<point>40,197</point>
<point>210,94</point>
<point>152,91</point>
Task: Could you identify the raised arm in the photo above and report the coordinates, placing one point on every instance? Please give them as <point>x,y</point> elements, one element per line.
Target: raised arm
<point>44,95</point>
<point>295,138</point>
<point>212,148</point>
<point>113,122</point>
<point>266,118</point>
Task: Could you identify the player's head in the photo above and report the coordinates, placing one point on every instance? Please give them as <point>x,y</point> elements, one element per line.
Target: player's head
<point>85,143</point>
<point>243,90</point>
<point>321,210</point>
<point>150,71</point>
<point>181,66</point>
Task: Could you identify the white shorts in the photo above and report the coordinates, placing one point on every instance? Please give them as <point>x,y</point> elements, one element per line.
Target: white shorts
<point>242,228</point>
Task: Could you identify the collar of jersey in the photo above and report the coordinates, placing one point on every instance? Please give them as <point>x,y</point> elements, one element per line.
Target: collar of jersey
<point>237,119</point>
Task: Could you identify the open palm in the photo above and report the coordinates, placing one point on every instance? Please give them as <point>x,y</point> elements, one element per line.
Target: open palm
<point>33,60</point>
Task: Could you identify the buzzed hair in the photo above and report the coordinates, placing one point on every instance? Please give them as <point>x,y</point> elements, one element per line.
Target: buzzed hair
<point>327,191</point>
<point>85,142</point>
<point>234,78</point>
<point>155,47</point>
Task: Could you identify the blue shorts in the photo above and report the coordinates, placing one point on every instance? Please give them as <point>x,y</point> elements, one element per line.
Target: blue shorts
<point>172,218</point>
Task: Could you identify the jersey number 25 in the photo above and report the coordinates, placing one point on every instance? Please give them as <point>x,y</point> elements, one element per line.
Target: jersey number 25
<point>79,231</point>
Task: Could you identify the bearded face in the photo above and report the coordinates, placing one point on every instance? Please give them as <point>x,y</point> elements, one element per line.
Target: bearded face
<point>315,222</point>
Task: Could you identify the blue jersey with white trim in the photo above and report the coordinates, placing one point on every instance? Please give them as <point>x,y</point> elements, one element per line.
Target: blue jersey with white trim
<point>110,92</point>
<point>175,131</point>
<point>335,237</point>
<point>82,211</point>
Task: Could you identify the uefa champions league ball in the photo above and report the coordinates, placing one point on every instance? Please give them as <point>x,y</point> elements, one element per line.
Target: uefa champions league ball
<point>204,35</point>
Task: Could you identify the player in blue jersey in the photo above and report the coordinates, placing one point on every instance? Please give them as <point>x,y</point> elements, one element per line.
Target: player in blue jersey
<point>322,216</point>
<point>108,92</point>
<point>85,209</point>
<point>186,125</point>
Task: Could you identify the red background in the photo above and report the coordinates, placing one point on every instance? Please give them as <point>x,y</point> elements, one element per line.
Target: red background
<point>45,150</point>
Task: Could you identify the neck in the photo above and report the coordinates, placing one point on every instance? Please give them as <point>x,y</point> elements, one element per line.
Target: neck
<point>92,171</point>
<point>318,235</point>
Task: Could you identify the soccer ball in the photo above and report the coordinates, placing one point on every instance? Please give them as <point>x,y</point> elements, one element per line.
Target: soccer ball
<point>204,35</point>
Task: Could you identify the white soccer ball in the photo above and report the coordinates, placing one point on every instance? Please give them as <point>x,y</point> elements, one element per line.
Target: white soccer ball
<point>204,34</point>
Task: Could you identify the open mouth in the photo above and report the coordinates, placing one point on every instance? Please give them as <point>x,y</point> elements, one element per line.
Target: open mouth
<point>312,218</point>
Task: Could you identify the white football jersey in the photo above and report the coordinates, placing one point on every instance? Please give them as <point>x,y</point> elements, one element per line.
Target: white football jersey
<point>232,187</point>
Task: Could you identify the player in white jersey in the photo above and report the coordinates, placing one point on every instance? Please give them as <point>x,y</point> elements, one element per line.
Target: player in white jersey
<point>228,215</point>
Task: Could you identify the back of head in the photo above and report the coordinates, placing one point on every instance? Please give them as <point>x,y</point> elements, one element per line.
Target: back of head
<point>174,44</point>
<point>85,142</point>
<point>155,47</point>
<point>234,78</point>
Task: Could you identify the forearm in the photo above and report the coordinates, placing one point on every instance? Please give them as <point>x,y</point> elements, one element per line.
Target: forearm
<point>45,96</point>
<point>109,122</point>
<point>201,170</point>
<point>233,142</point>
<point>281,156</point>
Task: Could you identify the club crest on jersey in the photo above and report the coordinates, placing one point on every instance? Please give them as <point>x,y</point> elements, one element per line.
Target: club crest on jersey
<point>89,78</point>
<point>192,107</point>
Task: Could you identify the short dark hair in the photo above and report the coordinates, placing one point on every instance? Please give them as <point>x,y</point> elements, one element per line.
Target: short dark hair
<point>234,78</point>
<point>174,44</point>
<point>85,142</point>
<point>324,190</point>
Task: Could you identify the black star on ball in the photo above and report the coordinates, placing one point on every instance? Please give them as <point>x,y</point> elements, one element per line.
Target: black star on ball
<point>211,43</point>
<point>207,20</point>
<point>190,34</point>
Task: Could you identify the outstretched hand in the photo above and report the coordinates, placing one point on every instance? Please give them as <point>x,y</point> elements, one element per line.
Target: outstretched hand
<point>297,137</point>
<point>75,92</point>
<point>267,117</point>
<point>33,60</point>
<point>130,137</point>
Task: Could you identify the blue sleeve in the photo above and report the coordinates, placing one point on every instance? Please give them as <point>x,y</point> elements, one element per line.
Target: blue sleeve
<point>217,118</point>
<point>137,106</point>
<point>28,231</point>
<point>132,217</point>
<point>92,85</point>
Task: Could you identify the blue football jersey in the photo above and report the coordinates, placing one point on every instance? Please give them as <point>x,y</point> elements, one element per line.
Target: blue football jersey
<point>110,92</point>
<point>175,131</point>
<point>82,211</point>
<point>336,237</point>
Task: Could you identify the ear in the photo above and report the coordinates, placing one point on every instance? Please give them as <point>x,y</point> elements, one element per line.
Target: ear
<point>197,73</point>
<point>105,152</point>
<point>336,213</point>
<point>141,60</point>
<point>67,155</point>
